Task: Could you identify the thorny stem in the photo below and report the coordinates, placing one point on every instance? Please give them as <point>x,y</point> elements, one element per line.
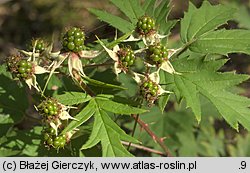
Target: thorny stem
<point>153,135</point>
<point>133,132</point>
<point>135,124</point>
<point>143,148</point>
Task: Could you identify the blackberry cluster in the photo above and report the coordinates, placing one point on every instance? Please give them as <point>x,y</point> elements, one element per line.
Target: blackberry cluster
<point>40,45</point>
<point>73,40</point>
<point>126,57</point>
<point>145,25</point>
<point>21,68</point>
<point>149,90</point>
<point>157,54</point>
<point>51,140</point>
<point>49,107</point>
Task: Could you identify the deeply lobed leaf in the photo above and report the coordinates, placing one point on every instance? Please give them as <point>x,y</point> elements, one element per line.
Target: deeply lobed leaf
<point>194,82</point>
<point>118,108</point>
<point>131,8</point>
<point>117,22</point>
<point>73,98</point>
<point>106,131</point>
<point>160,11</point>
<point>223,42</point>
<point>197,22</point>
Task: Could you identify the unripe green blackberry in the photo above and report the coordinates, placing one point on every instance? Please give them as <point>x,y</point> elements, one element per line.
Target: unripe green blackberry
<point>73,40</point>
<point>59,141</point>
<point>39,45</point>
<point>156,54</point>
<point>149,90</point>
<point>145,25</point>
<point>49,141</point>
<point>126,57</point>
<point>49,134</point>
<point>49,107</point>
<point>55,141</point>
<point>12,63</point>
<point>21,68</point>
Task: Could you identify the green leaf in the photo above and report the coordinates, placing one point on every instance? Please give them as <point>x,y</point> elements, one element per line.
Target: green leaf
<point>5,119</point>
<point>190,93</point>
<point>189,145</point>
<point>197,31</point>
<point>136,7</point>
<point>101,84</point>
<point>160,11</point>
<point>242,148</point>
<point>211,141</point>
<point>198,63</point>
<point>81,117</point>
<point>131,8</point>
<point>6,152</point>
<point>223,42</point>
<point>118,108</point>
<point>13,101</point>
<point>117,22</point>
<point>73,98</point>
<point>149,6</point>
<point>214,86</point>
<point>197,22</point>
<point>162,101</point>
<point>18,142</point>
<point>106,131</point>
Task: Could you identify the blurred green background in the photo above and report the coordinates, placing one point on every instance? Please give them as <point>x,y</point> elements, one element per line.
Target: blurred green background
<point>21,20</point>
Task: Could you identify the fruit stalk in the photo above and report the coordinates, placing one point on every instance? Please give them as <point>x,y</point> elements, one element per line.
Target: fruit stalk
<point>153,135</point>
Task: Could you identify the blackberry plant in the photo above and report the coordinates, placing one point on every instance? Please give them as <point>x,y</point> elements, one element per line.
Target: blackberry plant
<point>79,93</point>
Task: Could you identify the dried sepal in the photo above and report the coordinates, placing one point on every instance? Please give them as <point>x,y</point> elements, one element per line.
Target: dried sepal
<point>74,63</point>
<point>89,54</point>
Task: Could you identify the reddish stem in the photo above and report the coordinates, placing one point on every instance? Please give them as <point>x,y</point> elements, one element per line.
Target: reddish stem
<point>153,135</point>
